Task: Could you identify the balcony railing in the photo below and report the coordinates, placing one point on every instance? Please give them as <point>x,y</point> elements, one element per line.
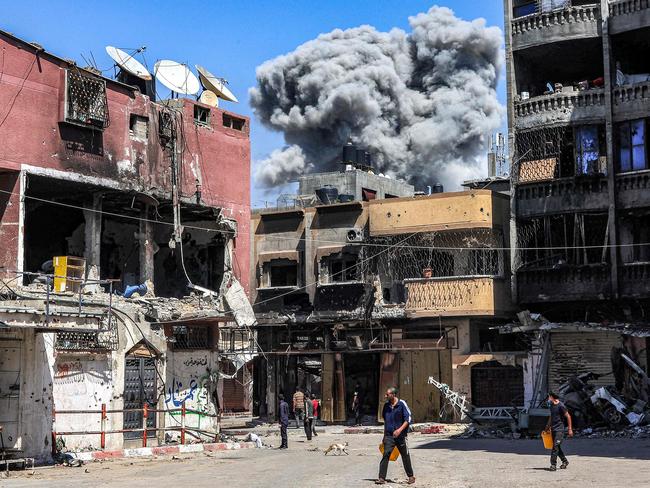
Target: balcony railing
<point>557,25</point>
<point>467,295</point>
<point>635,280</point>
<point>582,106</point>
<point>631,101</point>
<point>565,283</point>
<point>562,195</point>
<point>626,15</point>
<point>624,7</point>
<point>633,189</point>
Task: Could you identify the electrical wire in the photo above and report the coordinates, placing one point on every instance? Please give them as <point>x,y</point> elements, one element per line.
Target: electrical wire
<point>324,241</point>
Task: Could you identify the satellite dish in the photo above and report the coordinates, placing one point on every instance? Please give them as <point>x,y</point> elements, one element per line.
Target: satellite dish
<point>216,85</point>
<point>128,63</point>
<point>209,98</point>
<point>176,76</point>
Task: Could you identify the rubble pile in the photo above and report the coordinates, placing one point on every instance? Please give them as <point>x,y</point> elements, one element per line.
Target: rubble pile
<point>633,432</point>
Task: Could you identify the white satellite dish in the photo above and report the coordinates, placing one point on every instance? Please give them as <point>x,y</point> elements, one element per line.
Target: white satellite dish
<point>176,76</point>
<point>209,98</point>
<point>128,63</point>
<point>217,85</point>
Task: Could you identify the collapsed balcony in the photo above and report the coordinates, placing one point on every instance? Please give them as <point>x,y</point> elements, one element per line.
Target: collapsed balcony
<point>123,237</point>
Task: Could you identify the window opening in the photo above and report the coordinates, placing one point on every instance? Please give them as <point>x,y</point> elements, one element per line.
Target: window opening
<point>86,101</point>
<point>139,127</point>
<point>201,116</point>
<point>233,122</point>
<point>283,273</point>
<point>191,337</point>
<point>631,152</point>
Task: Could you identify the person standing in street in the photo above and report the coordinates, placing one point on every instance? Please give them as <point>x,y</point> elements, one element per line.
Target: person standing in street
<point>298,405</point>
<point>316,406</point>
<point>284,422</point>
<point>555,424</point>
<point>397,419</point>
<point>356,408</point>
<point>309,417</point>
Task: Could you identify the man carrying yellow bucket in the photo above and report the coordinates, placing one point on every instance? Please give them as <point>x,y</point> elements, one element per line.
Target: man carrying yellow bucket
<point>553,435</point>
<point>397,418</point>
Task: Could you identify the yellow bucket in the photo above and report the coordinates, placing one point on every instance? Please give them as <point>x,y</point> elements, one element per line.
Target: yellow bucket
<point>393,455</point>
<point>547,438</point>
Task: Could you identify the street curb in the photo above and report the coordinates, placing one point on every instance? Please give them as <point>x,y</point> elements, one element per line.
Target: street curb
<point>160,451</point>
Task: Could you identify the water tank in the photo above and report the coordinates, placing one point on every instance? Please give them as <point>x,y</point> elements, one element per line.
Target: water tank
<point>361,157</point>
<point>437,188</point>
<point>368,159</point>
<point>349,153</point>
<point>327,194</point>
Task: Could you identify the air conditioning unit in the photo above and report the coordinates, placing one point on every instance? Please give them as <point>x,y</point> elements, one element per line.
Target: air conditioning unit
<point>354,235</point>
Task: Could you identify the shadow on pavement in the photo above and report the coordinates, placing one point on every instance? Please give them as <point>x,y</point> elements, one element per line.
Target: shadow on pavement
<point>611,448</point>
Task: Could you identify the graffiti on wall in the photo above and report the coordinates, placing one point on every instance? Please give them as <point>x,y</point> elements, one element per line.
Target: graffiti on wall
<point>177,395</point>
<point>76,377</point>
<point>197,395</point>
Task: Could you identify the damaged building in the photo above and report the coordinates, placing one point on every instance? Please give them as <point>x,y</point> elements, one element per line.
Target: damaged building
<point>577,114</point>
<point>361,295</point>
<point>124,276</point>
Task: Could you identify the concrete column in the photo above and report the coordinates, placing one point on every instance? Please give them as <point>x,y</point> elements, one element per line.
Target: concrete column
<point>11,221</point>
<point>511,88</point>
<point>308,256</point>
<point>93,231</point>
<point>146,247</point>
<point>609,138</point>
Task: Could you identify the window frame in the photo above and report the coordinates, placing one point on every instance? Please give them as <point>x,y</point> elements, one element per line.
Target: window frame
<point>625,144</point>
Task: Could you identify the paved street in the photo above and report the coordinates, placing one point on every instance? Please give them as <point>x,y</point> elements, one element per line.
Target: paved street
<point>438,462</point>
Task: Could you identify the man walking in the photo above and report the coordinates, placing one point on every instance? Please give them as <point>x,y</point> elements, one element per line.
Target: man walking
<point>298,405</point>
<point>556,426</point>
<point>397,418</point>
<point>284,422</point>
<point>309,417</point>
<point>315,405</point>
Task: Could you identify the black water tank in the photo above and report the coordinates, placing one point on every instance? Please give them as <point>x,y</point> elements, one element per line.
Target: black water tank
<point>437,188</point>
<point>349,153</point>
<point>368,159</point>
<point>345,198</point>
<point>361,157</point>
<point>327,194</point>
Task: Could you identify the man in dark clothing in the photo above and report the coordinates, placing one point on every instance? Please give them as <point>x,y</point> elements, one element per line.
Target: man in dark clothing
<point>397,418</point>
<point>556,426</point>
<point>309,416</point>
<point>284,421</point>
<point>356,408</point>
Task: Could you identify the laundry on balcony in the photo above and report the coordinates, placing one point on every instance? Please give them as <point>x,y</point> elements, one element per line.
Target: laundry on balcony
<point>630,79</point>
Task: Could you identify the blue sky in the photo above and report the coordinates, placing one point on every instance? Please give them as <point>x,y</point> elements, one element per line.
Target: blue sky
<point>229,38</point>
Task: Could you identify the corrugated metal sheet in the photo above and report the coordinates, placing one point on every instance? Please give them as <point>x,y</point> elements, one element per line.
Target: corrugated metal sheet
<point>578,352</point>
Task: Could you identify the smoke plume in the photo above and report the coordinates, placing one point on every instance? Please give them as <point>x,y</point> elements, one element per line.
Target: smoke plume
<point>423,103</point>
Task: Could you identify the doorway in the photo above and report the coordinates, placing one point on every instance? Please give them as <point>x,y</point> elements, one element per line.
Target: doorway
<point>139,387</point>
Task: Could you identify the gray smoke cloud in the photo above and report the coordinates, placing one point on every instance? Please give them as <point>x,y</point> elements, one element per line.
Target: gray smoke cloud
<point>423,103</point>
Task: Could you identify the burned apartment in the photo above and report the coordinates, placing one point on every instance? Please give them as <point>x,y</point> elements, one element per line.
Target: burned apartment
<point>362,295</point>
<point>578,111</point>
<point>106,191</point>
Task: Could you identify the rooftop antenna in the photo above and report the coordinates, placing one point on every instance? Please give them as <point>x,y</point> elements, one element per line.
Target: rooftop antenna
<point>215,84</point>
<point>177,77</point>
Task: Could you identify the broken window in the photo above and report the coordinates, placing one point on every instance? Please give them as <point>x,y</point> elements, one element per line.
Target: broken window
<point>567,239</point>
<point>191,336</point>
<point>201,116</point>
<point>484,262</point>
<point>86,341</point>
<point>282,272</point>
<point>631,146</point>
<point>343,268</point>
<point>86,101</point>
<point>233,122</point>
<point>139,127</point>
<point>635,237</point>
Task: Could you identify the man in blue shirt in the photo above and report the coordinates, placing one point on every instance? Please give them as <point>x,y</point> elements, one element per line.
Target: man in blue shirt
<point>284,421</point>
<point>397,418</point>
